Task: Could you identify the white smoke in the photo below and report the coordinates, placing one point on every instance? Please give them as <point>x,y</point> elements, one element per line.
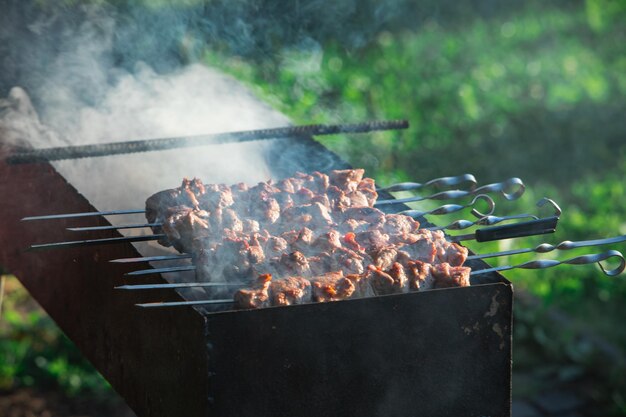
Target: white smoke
<point>83,98</point>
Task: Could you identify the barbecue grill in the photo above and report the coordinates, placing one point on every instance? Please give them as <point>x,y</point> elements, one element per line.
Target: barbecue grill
<point>444,352</point>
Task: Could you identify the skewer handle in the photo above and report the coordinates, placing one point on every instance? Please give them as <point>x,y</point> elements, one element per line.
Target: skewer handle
<point>437,183</point>
<point>529,228</point>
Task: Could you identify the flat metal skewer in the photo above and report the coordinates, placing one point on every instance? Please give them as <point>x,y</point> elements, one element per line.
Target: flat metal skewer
<point>184,303</point>
<point>93,242</point>
<point>437,183</point>
<point>147,145</point>
<point>178,285</point>
<point>112,227</point>
<point>537,264</point>
<point>85,214</point>
<point>511,189</point>
<point>162,270</point>
<point>546,247</point>
<point>579,260</point>
<point>151,258</point>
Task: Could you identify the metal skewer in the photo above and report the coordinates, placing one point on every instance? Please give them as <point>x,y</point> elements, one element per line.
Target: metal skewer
<point>546,247</point>
<point>112,227</point>
<point>116,148</point>
<point>437,183</point>
<point>178,285</point>
<point>86,214</point>
<point>537,264</point>
<point>445,195</point>
<point>579,260</point>
<point>484,221</point>
<point>151,258</point>
<point>92,242</point>
<point>453,208</point>
<point>184,303</point>
<point>516,186</point>
<point>162,270</point>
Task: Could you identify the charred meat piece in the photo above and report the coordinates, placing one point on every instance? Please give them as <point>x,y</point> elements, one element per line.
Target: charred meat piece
<point>275,246</point>
<point>423,250</point>
<point>293,264</point>
<point>231,221</point>
<point>446,276</point>
<point>393,281</point>
<point>451,253</point>
<point>372,240</point>
<point>361,284</point>
<point>266,210</point>
<point>349,261</point>
<point>328,242</point>
<point>374,217</point>
<point>257,296</point>
<point>314,214</point>
<point>399,224</point>
<point>368,188</point>
<point>289,291</point>
<point>337,198</point>
<point>185,225</point>
<point>303,241</point>
<point>217,196</point>
<point>384,257</point>
<point>322,263</point>
<point>347,179</point>
<point>331,286</point>
<point>420,276</point>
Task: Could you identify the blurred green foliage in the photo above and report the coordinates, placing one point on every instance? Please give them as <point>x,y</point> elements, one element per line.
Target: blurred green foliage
<point>35,353</point>
<point>537,94</point>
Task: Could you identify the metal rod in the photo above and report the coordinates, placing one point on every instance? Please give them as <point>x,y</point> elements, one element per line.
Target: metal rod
<point>510,231</point>
<point>178,285</point>
<point>484,221</point>
<point>162,270</point>
<point>546,247</point>
<point>511,189</point>
<point>183,303</point>
<point>147,145</point>
<point>92,242</point>
<point>151,258</point>
<point>453,208</point>
<point>112,227</point>
<point>579,260</point>
<point>437,183</point>
<point>86,214</point>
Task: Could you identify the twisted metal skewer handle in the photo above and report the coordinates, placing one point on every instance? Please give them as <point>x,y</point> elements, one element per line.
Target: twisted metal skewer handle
<point>511,189</point>
<point>579,260</point>
<point>437,183</point>
<point>483,221</point>
<point>453,208</point>
<point>547,247</point>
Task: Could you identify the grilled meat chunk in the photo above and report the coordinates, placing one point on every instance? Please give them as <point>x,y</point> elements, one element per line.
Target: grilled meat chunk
<point>420,276</point>
<point>446,276</point>
<point>392,281</point>
<point>291,290</point>
<point>315,225</point>
<point>256,296</point>
<point>331,286</point>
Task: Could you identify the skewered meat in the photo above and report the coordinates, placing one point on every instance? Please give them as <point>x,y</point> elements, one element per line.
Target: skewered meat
<point>331,286</point>
<point>291,290</point>
<point>256,296</point>
<point>392,281</point>
<point>316,227</point>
